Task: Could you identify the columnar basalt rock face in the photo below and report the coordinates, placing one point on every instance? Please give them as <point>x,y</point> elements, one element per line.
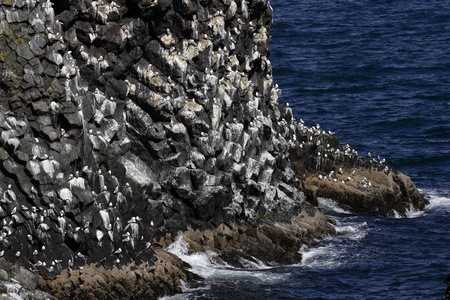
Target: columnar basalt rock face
<point>124,121</point>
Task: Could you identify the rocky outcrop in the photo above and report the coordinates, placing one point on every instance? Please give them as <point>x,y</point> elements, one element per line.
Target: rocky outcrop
<point>129,281</point>
<point>126,122</point>
<point>242,246</point>
<point>358,184</point>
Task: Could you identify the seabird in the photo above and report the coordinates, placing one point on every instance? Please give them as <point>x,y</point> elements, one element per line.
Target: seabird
<point>330,174</point>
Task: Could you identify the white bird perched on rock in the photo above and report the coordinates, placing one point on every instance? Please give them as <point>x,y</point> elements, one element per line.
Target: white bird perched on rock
<point>340,171</point>
<point>330,174</point>
<point>127,237</point>
<point>354,173</point>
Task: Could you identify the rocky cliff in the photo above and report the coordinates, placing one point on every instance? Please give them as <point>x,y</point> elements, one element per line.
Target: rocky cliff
<point>124,123</point>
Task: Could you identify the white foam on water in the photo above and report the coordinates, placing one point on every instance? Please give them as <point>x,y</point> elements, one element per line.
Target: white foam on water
<point>186,292</point>
<point>323,257</point>
<point>437,202</point>
<point>187,289</point>
<point>176,297</point>
<point>332,254</point>
<point>411,212</point>
<point>352,230</point>
<point>206,265</point>
<point>203,263</point>
<point>255,264</point>
<point>331,205</point>
<point>396,214</point>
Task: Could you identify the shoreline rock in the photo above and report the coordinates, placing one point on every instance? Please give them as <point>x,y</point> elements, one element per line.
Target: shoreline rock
<point>273,244</point>
<point>390,195</point>
<point>362,185</point>
<point>235,245</point>
<point>129,281</point>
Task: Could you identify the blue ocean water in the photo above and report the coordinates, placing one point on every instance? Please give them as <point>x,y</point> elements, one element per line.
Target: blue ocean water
<point>378,74</point>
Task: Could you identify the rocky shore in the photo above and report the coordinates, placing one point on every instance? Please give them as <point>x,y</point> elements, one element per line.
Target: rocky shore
<point>125,123</point>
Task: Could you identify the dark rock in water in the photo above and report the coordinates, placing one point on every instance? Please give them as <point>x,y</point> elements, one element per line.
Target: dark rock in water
<point>126,122</point>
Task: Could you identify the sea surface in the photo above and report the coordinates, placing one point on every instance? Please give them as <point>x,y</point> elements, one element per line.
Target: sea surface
<point>378,74</point>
